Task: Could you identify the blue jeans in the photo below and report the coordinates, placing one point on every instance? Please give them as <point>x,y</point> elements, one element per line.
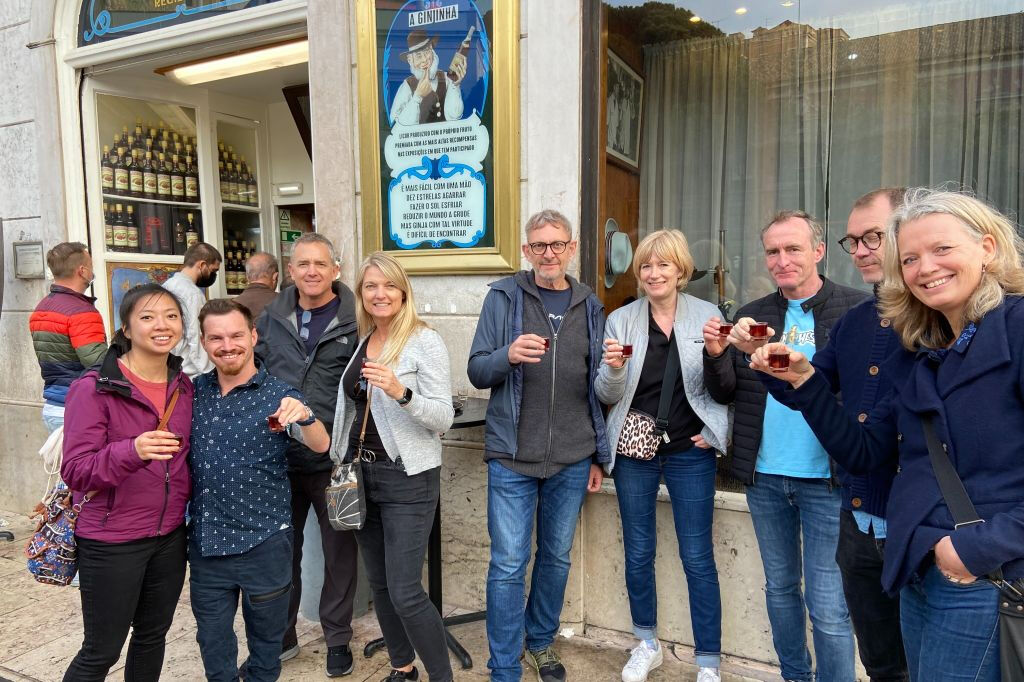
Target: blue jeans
<point>263,578</point>
<point>690,478</point>
<point>950,631</point>
<point>513,501</point>
<point>794,517</point>
<point>53,416</point>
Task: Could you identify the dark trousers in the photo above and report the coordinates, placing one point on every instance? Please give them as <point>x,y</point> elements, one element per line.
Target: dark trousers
<point>263,578</point>
<point>875,615</point>
<point>340,561</point>
<point>399,515</point>
<point>127,585</point>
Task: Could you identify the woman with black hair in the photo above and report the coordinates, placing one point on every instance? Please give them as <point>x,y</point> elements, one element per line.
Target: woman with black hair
<point>126,442</point>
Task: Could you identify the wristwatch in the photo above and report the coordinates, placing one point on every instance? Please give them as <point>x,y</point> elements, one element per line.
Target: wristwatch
<point>406,397</point>
<point>310,417</point>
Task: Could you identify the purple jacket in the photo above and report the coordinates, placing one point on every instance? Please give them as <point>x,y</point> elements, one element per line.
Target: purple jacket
<point>135,498</point>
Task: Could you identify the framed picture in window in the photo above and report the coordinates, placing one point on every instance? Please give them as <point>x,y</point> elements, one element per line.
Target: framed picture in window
<point>123,276</point>
<point>624,105</point>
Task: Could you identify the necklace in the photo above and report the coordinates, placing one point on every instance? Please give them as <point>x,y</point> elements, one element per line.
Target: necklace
<point>131,367</point>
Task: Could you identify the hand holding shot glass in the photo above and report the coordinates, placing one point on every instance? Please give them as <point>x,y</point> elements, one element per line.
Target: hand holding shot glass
<point>288,412</point>
<point>748,334</point>
<point>779,361</point>
<point>528,348</point>
<point>716,335</point>
<point>615,353</point>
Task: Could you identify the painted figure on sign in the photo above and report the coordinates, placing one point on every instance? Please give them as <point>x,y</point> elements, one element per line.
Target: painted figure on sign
<point>427,96</point>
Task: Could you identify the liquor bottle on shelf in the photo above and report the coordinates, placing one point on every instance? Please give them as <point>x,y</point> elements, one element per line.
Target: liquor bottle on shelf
<point>180,240</point>
<point>106,171</point>
<point>161,132</point>
<point>177,179</point>
<point>120,230</point>
<point>140,141</point>
<point>243,279</point>
<point>133,230</point>
<point>123,140</point>
<point>191,232</point>
<point>232,184</point>
<point>151,138</point>
<point>121,182</point>
<point>224,192</point>
<point>220,150</point>
<point>251,186</point>
<point>135,180</point>
<point>108,228</point>
<point>163,178</point>
<point>149,179</point>
<point>191,181</point>
<point>152,222</point>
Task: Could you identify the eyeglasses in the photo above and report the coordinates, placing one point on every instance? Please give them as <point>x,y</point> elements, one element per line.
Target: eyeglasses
<point>304,320</point>
<point>872,240</point>
<point>538,248</point>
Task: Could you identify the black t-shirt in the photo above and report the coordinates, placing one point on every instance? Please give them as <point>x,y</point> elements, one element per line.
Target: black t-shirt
<point>319,318</point>
<point>682,420</point>
<point>356,389</point>
<point>556,302</point>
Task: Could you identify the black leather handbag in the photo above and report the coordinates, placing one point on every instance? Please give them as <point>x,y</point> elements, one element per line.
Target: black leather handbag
<point>1011,595</point>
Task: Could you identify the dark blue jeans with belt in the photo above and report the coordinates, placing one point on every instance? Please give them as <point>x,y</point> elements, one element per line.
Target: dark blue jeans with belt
<point>689,476</point>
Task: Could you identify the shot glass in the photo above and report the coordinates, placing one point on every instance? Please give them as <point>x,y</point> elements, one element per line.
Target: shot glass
<point>778,361</point>
<point>627,350</point>
<point>724,329</point>
<point>274,424</point>
<point>759,331</point>
<point>547,342</point>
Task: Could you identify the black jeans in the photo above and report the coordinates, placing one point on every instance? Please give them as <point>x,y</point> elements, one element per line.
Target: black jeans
<point>127,585</point>
<point>340,561</point>
<point>399,515</point>
<point>875,615</point>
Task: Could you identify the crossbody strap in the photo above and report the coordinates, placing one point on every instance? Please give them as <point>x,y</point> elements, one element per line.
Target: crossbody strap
<point>366,415</point>
<point>667,384</point>
<point>953,492</point>
<point>162,426</point>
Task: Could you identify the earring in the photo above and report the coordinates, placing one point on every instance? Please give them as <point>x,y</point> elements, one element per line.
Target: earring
<point>984,268</point>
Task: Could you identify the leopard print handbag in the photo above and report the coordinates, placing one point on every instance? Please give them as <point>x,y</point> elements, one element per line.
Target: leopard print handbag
<point>639,437</point>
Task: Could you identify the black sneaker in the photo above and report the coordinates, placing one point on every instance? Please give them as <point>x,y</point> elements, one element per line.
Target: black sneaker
<point>547,664</point>
<point>400,675</point>
<point>339,660</point>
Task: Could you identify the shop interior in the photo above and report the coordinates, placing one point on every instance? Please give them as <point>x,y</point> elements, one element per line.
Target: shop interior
<point>216,149</point>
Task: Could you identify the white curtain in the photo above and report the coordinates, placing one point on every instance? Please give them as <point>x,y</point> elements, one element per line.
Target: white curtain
<point>736,129</point>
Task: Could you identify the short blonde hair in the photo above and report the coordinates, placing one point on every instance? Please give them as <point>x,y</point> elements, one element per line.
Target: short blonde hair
<point>918,325</point>
<point>669,245</point>
<point>406,320</point>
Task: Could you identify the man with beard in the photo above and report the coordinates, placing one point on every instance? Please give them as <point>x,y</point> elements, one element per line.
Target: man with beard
<point>202,262</point>
<point>428,96</point>
<point>240,539</point>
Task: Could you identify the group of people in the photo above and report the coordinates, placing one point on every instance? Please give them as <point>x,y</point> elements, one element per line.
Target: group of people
<point>831,445</point>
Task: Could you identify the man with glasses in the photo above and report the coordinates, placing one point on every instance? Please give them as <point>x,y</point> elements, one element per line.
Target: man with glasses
<point>307,335</point>
<point>202,262</point>
<point>537,348</point>
<point>857,361</point>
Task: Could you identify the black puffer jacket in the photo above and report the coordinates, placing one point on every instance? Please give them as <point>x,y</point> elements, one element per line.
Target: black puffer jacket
<point>283,352</point>
<point>729,378</point>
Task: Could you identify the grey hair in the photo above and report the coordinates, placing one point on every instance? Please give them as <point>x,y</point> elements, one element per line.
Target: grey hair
<point>817,231</point>
<point>261,265</point>
<point>548,216</point>
<point>317,238</point>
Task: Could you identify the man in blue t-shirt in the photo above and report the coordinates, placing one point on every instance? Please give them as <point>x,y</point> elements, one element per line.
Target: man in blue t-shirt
<point>793,499</point>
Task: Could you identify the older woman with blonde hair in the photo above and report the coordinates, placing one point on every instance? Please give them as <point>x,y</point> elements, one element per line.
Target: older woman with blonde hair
<point>952,292</point>
<point>399,382</point>
<point>664,426</point>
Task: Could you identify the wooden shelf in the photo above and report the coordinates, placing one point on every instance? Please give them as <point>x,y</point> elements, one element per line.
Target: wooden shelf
<point>132,257</point>
<point>145,200</point>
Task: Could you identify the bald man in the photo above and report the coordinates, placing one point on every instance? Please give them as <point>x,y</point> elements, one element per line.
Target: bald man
<point>262,271</point>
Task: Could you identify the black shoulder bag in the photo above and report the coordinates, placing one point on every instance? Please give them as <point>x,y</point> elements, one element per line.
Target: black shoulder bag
<point>1011,595</point>
<point>641,433</point>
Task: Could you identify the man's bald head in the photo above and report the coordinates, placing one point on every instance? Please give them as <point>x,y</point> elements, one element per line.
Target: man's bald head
<point>262,268</point>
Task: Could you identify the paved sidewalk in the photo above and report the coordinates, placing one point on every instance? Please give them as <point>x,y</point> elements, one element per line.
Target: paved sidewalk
<point>41,631</point>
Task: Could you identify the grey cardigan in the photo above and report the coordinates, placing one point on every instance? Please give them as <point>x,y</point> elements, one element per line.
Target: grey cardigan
<point>615,387</point>
<point>413,431</point>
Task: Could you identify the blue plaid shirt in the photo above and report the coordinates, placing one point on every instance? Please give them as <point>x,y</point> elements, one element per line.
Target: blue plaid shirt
<point>240,490</point>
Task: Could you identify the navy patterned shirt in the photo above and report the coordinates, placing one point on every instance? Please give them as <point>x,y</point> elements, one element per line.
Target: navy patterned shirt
<point>240,490</point>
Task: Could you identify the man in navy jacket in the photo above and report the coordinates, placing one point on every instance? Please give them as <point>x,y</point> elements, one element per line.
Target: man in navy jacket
<point>854,363</point>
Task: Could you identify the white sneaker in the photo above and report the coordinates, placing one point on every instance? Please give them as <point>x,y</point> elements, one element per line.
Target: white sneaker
<point>642,660</point>
<point>708,675</point>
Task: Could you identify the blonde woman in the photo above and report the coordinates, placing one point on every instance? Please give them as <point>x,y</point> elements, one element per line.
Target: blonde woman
<point>401,367</point>
<point>663,323</point>
<point>952,289</point>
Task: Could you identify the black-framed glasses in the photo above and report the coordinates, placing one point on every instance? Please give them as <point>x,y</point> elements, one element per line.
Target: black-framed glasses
<point>303,321</point>
<point>872,240</point>
<point>538,248</point>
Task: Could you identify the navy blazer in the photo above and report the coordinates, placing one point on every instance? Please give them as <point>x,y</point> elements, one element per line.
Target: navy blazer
<point>976,399</point>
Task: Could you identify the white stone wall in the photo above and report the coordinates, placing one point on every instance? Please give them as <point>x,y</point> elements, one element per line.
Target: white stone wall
<point>31,207</point>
